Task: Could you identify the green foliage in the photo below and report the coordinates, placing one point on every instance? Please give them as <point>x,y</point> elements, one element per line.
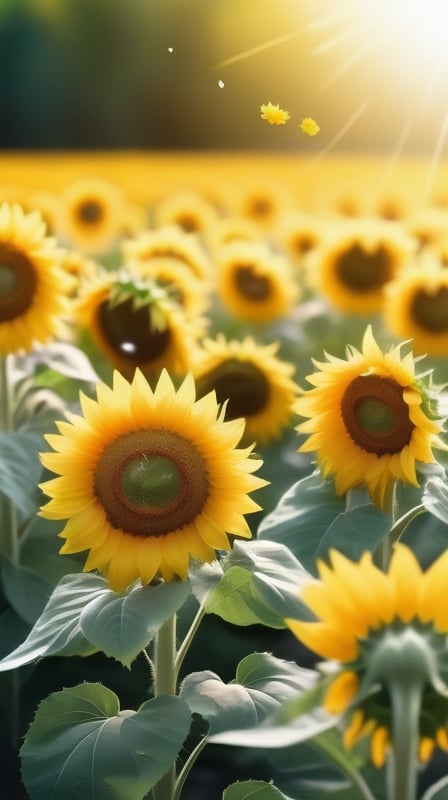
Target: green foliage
<point>253,790</point>
<point>81,745</point>
<point>26,590</point>
<point>83,616</point>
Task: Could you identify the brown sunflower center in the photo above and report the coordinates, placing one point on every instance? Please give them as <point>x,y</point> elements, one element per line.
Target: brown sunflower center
<point>243,384</point>
<point>260,207</point>
<point>375,415</point>
<point>303,243</point>
<point>17,283</point>
<point>430,310</point>
<point>151,482</point>
<point>188,222</point>
<point>251,284</point>
<point>362,270</point>
<point>90,212</point>
<point>130,331</point>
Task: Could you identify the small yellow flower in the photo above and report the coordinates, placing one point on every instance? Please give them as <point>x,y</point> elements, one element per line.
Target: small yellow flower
<point>274,114</point>
<point>309,126</point>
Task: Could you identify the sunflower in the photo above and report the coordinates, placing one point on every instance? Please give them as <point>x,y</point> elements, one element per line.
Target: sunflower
<point>231,229</point>
<point>356,261</point>
<point>189,210</point>
<point>299,234</point>
<point>134,323</point>
<point>387,633</point>
<point>148,478</point>
<point>428,225</point>
<point>367,420</point>
<point>253,283</point>
<point>171,242</point>
<point>190,293</point>
<point>416,307</point>
<point>33,288</point>
<point>256,384</point>
<point>93,213</point>
<point>263,202</point>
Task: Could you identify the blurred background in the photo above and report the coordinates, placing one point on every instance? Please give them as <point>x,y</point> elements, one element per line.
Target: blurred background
<point>192,74</point>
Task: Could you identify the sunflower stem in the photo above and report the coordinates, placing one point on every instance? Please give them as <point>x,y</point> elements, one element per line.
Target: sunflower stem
<point>10,528</point>
<point>383,552</point>
<point>184,647</point>
<point>165,684</point>
<point>402,771</point>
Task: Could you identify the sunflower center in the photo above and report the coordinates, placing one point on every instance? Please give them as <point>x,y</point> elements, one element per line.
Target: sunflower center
<point>130,331</point>
<point>188,222</point>
<point>90,212</point>
<point>17,283</point>
<point>250,284</point>
<point>241,383</point>
<point>364,271</point>
<point>375,415</point>
<point>430,310</point>
<point>151,482</point>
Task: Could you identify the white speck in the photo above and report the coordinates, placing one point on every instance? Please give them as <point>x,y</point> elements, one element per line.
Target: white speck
<point>128,347</point>
<point>221,84</point>
<point>171,49</point>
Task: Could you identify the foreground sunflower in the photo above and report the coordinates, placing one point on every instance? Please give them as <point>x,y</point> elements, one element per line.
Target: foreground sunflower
<point>416,306</point>
<point>33,287</point>
<point>255,383</point>
<point>387,633</point>
<point>356,261</point>
<point>148,479</point>
<point>367,420</point>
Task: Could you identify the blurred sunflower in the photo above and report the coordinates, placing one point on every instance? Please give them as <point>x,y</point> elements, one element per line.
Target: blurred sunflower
<point>263,202</point>
<point>171,242</point>
<point>387,633</point>
<point>33,288</point>
<point>148,479</point>
<point>367,420</point>
<point>356,261</point>
<point>299,233</point>
<point>253,383</point>
<point>428,225</point>
<point>416,307</point>
<point>189,210</point>
<point>133,323</point>
<point>231,229</point>
<point>93,211</point>
<point>253,283</point>
<point>189,292</point>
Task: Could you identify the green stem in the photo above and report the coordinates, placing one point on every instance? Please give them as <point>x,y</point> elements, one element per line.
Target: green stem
<point>383,552</point>
<point>184,647</point>
<point>165,684</point>
<point>185,771</point>
<point>9,521</point>
<point>402,770</point>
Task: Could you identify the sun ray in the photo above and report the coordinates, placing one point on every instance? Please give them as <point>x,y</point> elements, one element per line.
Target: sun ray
<point>438,150</point>
<point>328,44</point>
<point>349,62</point>
<point>396,152</point>
<point>338,136</point>
<point>252,51</point>
<point>323,22</point>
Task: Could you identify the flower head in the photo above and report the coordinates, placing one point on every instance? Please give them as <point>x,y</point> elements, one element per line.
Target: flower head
<point>148,478</point>
<point>309,126</point>
<point>367,420</point>
<point>251,381</point>
<point>274,114</point>
<point>253,283</point>
<point>93,212</point>
<point>34,288</point>
<point>386,630</point>
<point>169,242</point>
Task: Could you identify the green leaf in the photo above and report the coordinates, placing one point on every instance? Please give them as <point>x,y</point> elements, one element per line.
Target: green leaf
<point>122,625</point>
<point>262,683</point>
<point>435,498</point>
<point>253,790</point>
<point>26,590</point>
<point>438,791</point>
<point>260,585</point>
<point>81,745</point>
<point>302,518</point>
<point>65,359</point>
<point>355,531</point>
<point>57,631</point>
<point>20,469</point>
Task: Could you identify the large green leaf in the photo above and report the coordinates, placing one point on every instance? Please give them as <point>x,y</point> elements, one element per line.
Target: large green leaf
<point>121,625</point>
<point>262,682</point>
<point>253,790</point>
<point>260,585</point>
<point>354,531</point>
<point>302,517</point>
<point>83,615</point>
<point>81,745</point>
<point>20,469</point>
<point>435,498</point>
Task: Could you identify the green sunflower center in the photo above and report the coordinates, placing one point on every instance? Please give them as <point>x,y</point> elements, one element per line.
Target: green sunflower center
<point>430,310</point>
<point>17,283</point>
<point>90,212</point>
<point>250,284</point>
<point>130,332</point>
<point>151,483</point>
<point>375,415</point>
<point>364,271</point>
<point>241,383</point>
